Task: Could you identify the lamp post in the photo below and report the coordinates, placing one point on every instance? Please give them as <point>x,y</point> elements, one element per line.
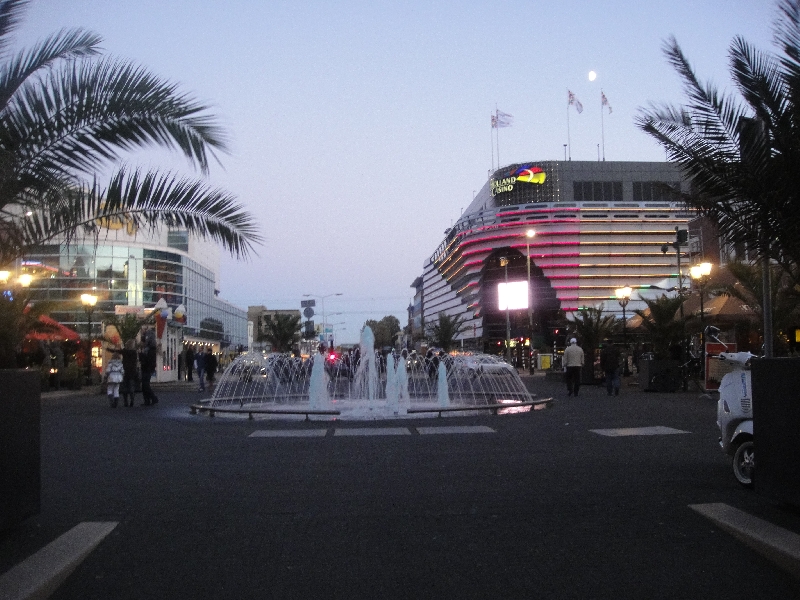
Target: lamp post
<point>528,235</point>
<point>322,299</point>
<point>623,297</point>
<point>88,301</point>
<point>504,264</point>
<point>700,274</point>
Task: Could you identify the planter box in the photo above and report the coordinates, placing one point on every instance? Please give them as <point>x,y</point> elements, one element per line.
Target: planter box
<point>776,428</point>
<point>662,375</point>
<point>20,446</point>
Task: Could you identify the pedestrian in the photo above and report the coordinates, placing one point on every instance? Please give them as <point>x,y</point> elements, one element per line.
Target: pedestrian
<point>200,367</point>
<point>609,362</point>
<point>114,371</point>
<point>58,353</point>
<point>189,363</point>
<point>147,360</point>
<point>573,363</point>
<point>130,375</point>
<point>211,365</point>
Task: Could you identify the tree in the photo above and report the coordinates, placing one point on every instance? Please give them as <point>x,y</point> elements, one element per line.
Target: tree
<point>128,326</point>
<point>67,115</point>
<point>742,153</point>
<point>443,333</point>
<point>665,331</point>
<point>784,295</point>
<point>18,317</point>
<point>592,327</point>
<point>281,330</point>
<point>385,330</point>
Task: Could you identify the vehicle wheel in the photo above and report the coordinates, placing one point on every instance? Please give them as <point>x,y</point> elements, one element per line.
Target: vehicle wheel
<point>744,463</point>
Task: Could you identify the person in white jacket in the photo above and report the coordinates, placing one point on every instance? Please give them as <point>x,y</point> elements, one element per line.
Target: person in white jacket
<point>573,364</point>
<point>114,372</point>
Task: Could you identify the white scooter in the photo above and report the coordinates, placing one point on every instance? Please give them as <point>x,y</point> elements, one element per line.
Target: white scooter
<point>735,413</point>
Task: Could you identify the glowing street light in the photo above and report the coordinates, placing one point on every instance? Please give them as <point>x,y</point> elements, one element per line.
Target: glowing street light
<point>700,273</point>
<point>529,235</point>
<point>89,301</point>
<point>504,264</point>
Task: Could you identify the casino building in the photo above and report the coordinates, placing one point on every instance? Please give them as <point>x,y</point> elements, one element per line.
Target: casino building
<point>594,227</point>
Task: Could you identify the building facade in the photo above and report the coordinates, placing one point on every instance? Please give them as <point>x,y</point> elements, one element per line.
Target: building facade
<point>565,235</point>
<point>131,272</point>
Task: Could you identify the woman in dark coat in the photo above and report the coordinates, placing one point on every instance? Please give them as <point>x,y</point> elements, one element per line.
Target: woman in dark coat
<point>130,375</point>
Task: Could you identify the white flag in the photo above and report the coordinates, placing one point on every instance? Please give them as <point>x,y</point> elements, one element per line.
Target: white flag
<point>571,99</point>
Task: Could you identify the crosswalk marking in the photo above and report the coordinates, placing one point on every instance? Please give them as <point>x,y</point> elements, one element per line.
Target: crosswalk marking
<point>456,429</point>
<point>372,431</point>
<point>301,433</point>
<point>629,431</point>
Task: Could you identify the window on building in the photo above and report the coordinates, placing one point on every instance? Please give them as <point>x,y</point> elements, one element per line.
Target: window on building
<point>655,191</point>
<point>597,191</point>
<point>178,240</point>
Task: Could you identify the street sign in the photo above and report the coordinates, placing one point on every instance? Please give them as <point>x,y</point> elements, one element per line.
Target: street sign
<point>307,303</point>
<point>308,312</point>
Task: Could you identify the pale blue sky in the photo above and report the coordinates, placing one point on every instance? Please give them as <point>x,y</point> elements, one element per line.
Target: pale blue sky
<point>360,129</point>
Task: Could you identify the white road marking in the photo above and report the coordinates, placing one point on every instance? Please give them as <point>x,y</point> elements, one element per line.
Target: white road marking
<point>301,433</point>
<point>657,430</point>
<point>39,575</point>
<point>372,431</point>
<point>456,429</point>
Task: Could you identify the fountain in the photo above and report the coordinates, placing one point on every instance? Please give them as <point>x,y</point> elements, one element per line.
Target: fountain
<point>363,386</point>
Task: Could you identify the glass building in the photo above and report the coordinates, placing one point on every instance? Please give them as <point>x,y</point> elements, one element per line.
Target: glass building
<point>131,272</point>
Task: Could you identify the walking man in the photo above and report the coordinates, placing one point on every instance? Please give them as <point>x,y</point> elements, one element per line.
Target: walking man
<point>573,361</point>
<point>200,367</point>
<point>609,362</point>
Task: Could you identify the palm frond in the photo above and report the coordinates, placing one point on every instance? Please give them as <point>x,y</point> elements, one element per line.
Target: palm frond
<point>81,116</point>
<point>143,201</point>
<point>65,45</point>
<point>10,17</point>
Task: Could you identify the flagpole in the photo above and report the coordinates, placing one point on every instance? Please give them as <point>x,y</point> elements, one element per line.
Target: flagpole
<point>569,143</point>
<point>491,140</point>
<point>602,127</point>
<point>497,116</point>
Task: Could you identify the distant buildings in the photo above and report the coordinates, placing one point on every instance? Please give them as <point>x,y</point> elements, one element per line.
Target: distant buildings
<point>595,226</point>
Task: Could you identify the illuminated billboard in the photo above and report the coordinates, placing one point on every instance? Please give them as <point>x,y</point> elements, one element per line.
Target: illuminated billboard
<point>526,182</point>
<point>512,295</point>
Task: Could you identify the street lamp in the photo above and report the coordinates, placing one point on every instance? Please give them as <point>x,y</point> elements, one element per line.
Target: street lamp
<point>623,297</point>
<point>504,264</point>
<point>88,301</point>
<point>322,298</point>
<point>528,235</point>
<point>700,274</point>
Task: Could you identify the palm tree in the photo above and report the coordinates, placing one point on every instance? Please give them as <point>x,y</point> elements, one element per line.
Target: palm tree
<point>444,332</point>
<point>665,331</point>
<point>592,327</point>
<point>281,330</point>
<point>67,115</point>
<point>742,153</point>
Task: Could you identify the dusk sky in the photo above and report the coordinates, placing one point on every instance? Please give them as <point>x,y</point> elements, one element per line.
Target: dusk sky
<point>360,129</point>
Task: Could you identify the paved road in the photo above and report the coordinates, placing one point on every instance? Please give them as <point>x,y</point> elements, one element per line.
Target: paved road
<point>540,507</point>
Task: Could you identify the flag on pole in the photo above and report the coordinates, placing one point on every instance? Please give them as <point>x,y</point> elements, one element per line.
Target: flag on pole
<point>604,101</point>
<point>501,119</point>
<point>571,99</point>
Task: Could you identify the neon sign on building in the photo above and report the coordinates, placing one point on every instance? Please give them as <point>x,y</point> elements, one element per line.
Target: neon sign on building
<point>524,174</point>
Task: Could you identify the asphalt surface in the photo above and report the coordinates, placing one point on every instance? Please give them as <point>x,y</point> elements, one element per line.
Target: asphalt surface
<point>543,507</point>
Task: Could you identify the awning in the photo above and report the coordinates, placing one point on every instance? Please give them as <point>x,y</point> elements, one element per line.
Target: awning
<point>53,331</point>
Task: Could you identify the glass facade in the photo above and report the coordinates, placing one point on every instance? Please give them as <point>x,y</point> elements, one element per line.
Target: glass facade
<point>121,274</point>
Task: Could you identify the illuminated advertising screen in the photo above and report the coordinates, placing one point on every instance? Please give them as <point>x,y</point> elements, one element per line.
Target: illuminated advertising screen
<point>521,183</point>
<point>512,295</point>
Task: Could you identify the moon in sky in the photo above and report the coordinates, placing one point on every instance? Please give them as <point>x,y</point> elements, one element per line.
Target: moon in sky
<point>592,75</point>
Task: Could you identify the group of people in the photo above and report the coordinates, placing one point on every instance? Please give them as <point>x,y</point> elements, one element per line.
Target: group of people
<point>205,364</point>
<point>573,362</point>
<point>128,370</point>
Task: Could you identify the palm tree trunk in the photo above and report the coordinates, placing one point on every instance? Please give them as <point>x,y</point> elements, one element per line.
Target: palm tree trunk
<point>766,305</point>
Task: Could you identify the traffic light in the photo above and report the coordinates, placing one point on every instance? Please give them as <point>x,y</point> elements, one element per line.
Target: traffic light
<point>682,236</point>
